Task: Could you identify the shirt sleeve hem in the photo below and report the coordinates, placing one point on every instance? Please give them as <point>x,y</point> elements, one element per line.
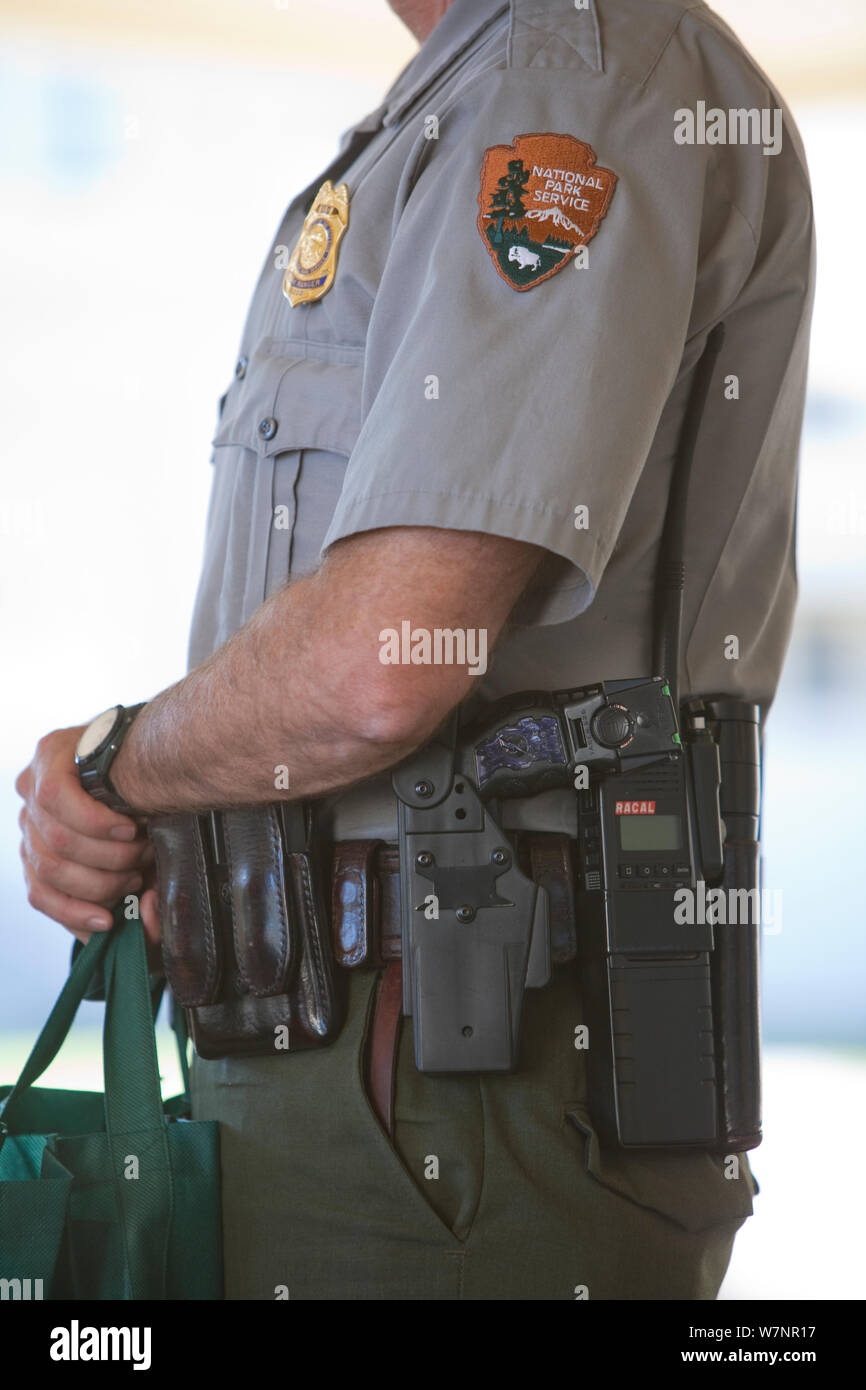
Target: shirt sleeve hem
<point>473,511</point>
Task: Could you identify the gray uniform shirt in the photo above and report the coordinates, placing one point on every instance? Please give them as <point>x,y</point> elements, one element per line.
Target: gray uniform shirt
<point>569,395</point>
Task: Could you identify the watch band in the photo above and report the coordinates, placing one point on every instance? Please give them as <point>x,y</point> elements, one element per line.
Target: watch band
<point>93,772</point>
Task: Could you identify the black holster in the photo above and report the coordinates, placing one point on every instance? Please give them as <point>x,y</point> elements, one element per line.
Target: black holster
<point>245,935</point>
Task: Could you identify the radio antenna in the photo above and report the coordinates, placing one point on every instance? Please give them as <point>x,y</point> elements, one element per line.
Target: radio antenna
<point>671,571</point>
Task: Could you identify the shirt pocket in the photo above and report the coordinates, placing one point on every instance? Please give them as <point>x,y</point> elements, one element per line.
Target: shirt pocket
<point>289,400</point>
<point>689,1188</point>
<point>283,440</point>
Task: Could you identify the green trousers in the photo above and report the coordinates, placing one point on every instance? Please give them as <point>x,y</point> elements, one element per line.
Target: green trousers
<point>494,1187</point>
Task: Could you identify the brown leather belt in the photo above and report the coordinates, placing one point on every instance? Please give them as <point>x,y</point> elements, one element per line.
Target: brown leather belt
<point>365,920</point>
<point>365,896</point>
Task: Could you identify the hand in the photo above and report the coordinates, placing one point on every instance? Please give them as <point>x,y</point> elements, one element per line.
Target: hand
<point>80,857</point>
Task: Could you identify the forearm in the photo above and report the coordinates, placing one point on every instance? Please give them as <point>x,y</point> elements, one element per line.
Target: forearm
<point>262,719</point>
<point>298,702</point>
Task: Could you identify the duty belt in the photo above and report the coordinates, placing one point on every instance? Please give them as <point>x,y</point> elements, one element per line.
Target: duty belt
<point>254,946</point>
<point>262,918</point>
<point>249,944</point>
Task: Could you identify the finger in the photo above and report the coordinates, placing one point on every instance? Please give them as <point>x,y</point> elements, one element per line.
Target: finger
<point>74,880</point>
<point>111,855</point>
<point>24,782</point>
<point>81,918</point>
<point>58,792</point>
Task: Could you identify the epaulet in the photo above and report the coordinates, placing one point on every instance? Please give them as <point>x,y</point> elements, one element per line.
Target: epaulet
<point>622,37</point>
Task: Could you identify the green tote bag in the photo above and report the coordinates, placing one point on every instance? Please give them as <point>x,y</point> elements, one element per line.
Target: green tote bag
<point>112,1196</point>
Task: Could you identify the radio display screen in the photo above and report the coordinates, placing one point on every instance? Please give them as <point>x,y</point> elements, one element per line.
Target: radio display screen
<point>638,833</point>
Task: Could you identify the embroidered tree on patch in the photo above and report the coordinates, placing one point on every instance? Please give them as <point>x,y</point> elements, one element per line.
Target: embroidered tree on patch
<point>507,197</point>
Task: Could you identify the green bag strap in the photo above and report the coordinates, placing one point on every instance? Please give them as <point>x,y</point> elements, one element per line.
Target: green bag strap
<point>59,1021</point>
<point>132,1084</point>
<point>134,1117</point>
<point>96,990</point>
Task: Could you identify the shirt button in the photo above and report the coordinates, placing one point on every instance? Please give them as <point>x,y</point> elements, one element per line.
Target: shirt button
<point>241,367</point>
<point>268,427</point>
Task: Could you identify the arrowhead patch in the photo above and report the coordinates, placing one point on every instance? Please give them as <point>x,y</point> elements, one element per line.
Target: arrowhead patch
<point>540,200</point>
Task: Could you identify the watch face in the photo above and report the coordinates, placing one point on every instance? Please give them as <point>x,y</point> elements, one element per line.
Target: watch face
<point>96,733</point>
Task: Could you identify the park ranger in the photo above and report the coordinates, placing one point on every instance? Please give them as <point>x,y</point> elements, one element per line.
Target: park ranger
<point>455,409</point>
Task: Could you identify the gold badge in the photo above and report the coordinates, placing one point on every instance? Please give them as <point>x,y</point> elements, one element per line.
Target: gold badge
<point>313,262</point>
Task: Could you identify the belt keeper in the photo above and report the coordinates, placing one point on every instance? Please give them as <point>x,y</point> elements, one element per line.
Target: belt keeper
<point>355,903</point>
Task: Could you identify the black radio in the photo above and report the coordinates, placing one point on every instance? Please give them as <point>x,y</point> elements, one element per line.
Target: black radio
<point>635,834</point>
<point>647,986</point>
<point>649,828</point>
<point>671,1001</point>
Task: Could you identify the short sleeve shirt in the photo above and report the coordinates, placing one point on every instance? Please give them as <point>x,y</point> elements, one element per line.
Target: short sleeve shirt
<point>434,385</point>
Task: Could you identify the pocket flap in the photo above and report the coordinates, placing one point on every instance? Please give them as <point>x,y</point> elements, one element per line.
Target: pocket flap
<point>290,402</point>
<point>688,1187</point>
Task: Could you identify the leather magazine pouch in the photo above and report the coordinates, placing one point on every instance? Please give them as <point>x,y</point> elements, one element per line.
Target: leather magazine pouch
<point>192,949</point>
<point>248,949</point>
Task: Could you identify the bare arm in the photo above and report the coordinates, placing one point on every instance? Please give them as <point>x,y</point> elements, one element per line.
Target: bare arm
<point>302,687</point>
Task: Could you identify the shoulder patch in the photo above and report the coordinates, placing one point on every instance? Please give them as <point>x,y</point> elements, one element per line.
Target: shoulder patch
<point>540,199</point>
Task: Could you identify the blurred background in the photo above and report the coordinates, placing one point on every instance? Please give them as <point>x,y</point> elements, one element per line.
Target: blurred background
<point>147,151</point>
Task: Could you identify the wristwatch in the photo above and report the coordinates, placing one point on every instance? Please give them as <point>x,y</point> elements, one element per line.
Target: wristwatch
<point>96,750</point>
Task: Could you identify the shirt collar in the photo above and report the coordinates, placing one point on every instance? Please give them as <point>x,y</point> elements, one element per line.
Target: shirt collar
<point>456,30</point>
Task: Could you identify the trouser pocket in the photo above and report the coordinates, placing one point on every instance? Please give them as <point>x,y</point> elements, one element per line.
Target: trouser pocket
<point>432,1126</point>
<point>659,1225</point>
<point>696,1189</point>
<point>439,1137</point>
